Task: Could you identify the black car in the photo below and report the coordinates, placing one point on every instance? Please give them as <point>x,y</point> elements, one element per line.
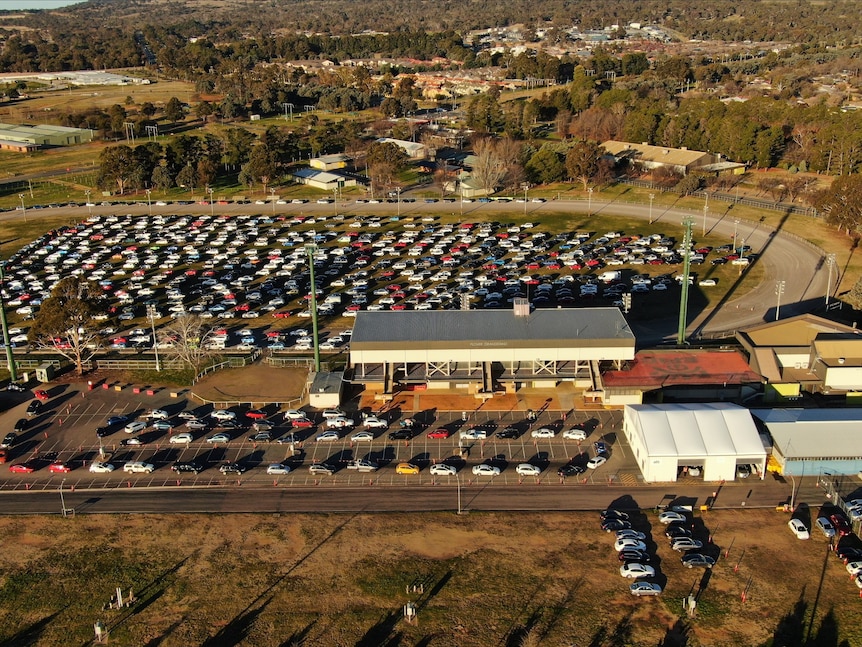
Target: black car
<point>14,386</point>
<point>509,432</point>
<point>8,441</point>
<point>614,514</point>
<point>101,432</point>
<point>187,466</point>
<point>634,555</point>
<point>612,525</point>
<point>848,553</point>
<point>261,437</point>
<point>401,434</point>
<point>34,408</point>
<point>571,470</point>
<point>232,468</point>
<point>21,425</point>
<point>675,530</point>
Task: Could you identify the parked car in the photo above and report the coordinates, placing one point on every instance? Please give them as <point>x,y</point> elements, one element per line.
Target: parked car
<point>134,427</point>
<point>842,527</point>
<point>626,544</point>
<point>615,525</point>
<point>575,433</point>
<point>327,437</point>
<point>442,469</point>
<point>187,466</point>
<point>798,528</point>
<point>486,470</point>
<point>645,588</point>
<point>634,570</point>
<point>630,534</point>
<point>473,434</point>
<point>691,560</point>
<point>321,468</point>
<point>685,543</point>
<point>42,395</point>
<point>571,470</point>
<point>543,432</point>
<point>184,437</point>
<point>508,433</point>
<point>363,466</point>
<point>222,414</point>
<point>674,531</point>
<point>373,422</point>
<point>596,461</point>
<point>362,436</point>
<point>34,408</point>
<point>277,469</point>
<point>138,467</point>
<point>633,555</point>
<point>439,433</point>
<point>22,468</point>
<point>825,526</point>
<point>261,437</point>
<point>668,517</point>
<point>8,440</point>
<point>611,513</point>
<point>219,438</point>
<point>401,434</point>
<point>232,468</point>
<point>526,469</point>
<point>101,468</point>
<point>406,468</point>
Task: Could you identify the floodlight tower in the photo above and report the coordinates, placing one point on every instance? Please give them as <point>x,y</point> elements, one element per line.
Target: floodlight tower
<point>686,267</point>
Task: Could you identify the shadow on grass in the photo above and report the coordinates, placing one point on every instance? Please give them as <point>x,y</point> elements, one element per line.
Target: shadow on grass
<point>677,635</point>
<point>30,635</point>
<point>158,640</point>
<point>791,629</point>
<point>620,636</point>
<point>381,634</point>
<point>297,638</point>
<point>237,630</point>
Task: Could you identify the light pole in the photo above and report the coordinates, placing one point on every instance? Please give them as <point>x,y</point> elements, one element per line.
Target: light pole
<point>62,500</point>
<point>151,314</point>
<point>89,204</point>
<point>10,359</point>
<point>149,202</point>
<point>830,263</point>
<point>589,202</point>
<point>23,208</point>
<point>458,482</point>
<point>272,199</point>
<point>779,290</point>
<point>525,186</point>
<point>335,197</point>
<point>651,198</point>
<point>212,208</point>
<point>310,250</point>
<point>705,210</point>
<point>398,193</point>
<point>735,224</point>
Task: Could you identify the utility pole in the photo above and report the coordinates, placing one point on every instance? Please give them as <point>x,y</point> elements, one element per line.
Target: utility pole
<point>23,207</point>
<point>830,264</point>
<point>779,290</point>
<point>686,267</point>
<point>651,198</point>
<point>151,315</point>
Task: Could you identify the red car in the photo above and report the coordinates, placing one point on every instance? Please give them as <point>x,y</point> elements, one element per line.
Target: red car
<point>41,395</point>
<point>440,433</point>
<point>21,468</point>
<point>281,315</point>
<point>838,521</point>
<point>59,468</point>
<point>302,422</point>
<point>255,414</point>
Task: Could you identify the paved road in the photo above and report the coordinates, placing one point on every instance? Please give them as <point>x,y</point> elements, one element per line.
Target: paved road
<point>372,498</point>
<point>797,262</point>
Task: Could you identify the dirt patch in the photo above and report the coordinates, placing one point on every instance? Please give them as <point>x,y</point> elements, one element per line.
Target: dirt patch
<point>254,383</point>
<point>341,580</point>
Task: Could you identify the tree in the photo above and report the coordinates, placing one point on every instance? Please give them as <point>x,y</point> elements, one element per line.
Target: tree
<point>65,321</point>
<point>186,341</point>
<point>174,110</point>
<point>546,166</point>
<point>582,161</point>
<point>387,153</point>
<point>841,204</point>
<point>117,165</point>
<point>489,169</point>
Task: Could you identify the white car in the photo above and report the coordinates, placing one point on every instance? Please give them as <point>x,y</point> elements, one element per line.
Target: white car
<point>626,543</point>
<point>798,528</point>
<point>184,437</point>
<point>544,432</point>
<point>362,436</point>
<point>278,468</point>
<point>138,467</point>
<point>474,434</point>
<point>575,433</point>
<point>636,571</point>
<point>101,468</point>
<point>486,470</point>
<point>220,414</point>
<point>294,414</point>
<point>645,588</point>
<point>327,437</point>
<point>158,414</point>
<point>373,422</point>
<point>685,543</point>
<point>526,469</point>
<point>134,427</point>
<point>596,462</point>
<point>671,517</point>
<point>338,423</point>
<point>825,526</point>
<point>441,469</point>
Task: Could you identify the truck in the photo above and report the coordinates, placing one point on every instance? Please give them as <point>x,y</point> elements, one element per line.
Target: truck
<point>611,276</point>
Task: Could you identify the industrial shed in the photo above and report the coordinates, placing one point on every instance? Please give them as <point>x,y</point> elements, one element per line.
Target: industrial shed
<point>809,442</point>
<point>716,437</point>
<point>486,350</point>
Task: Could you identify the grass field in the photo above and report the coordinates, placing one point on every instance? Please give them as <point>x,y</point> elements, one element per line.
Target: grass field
<point>487,579</point>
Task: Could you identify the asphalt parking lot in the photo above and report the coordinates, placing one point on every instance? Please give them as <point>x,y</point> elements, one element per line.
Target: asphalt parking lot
<point>65,431</point>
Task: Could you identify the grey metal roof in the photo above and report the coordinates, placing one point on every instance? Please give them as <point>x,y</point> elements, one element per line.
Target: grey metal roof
<point>470,328</point>
<point>813,433</point>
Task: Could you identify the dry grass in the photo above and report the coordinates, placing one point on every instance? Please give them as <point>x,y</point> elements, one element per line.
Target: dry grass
<point>489,579</point>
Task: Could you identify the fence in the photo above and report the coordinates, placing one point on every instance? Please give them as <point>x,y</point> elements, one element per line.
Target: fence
<point>232,362</point>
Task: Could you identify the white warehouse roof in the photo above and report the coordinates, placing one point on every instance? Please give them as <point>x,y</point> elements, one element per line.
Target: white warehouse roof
<point>697,430</point>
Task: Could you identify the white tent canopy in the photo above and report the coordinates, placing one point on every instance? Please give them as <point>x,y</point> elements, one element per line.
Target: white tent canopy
<point>718,436</point>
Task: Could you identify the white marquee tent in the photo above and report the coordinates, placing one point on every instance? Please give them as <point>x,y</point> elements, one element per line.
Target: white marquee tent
<point>717,436</point>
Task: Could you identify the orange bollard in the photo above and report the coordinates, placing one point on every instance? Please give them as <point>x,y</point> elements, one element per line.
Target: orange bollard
<point>179,482</point>
<point>72,488</point>
<point>274,482</point>
<point>128,484</point>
